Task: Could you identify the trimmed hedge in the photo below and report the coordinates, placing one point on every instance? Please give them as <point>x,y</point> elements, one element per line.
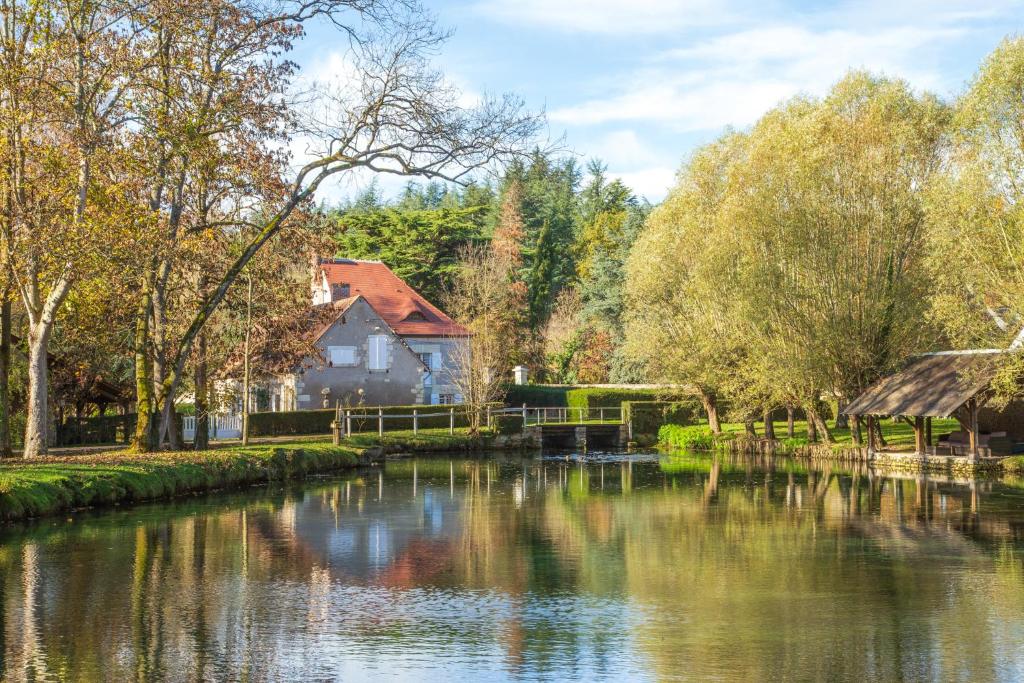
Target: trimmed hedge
<point>597,397</point>
<point>507,424</point>
<point>364,419</point>
<point>536,396</point>
<point>647,417</point>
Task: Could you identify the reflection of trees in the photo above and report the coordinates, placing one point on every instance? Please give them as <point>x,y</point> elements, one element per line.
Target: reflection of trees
<point>704,567</point>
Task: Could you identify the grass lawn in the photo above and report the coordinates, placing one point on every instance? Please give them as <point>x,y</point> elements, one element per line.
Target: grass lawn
<point>896,433</point>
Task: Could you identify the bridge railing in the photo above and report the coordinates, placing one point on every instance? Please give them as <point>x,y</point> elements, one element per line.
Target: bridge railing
<point>562,415</point>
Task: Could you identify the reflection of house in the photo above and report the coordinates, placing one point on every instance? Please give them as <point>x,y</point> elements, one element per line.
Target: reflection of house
<point>382,344</point>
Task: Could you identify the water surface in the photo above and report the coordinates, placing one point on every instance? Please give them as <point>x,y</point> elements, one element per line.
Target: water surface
<point>648,568</point>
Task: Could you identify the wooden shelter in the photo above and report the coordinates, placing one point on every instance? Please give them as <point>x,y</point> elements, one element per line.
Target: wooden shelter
<point>945,384</point>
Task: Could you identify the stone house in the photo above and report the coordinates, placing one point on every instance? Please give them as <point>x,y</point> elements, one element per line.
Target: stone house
<point>383,344</point>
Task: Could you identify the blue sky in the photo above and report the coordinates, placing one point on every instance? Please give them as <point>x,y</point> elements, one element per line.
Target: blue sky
<point>640,83</point>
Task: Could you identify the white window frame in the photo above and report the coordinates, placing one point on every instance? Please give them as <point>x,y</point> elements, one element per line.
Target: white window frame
<point>446,399</point>
<point>378,351</point>
<point>342,356</point>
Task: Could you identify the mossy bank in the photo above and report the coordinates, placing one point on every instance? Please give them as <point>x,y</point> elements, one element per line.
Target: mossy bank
<point>53,485</point>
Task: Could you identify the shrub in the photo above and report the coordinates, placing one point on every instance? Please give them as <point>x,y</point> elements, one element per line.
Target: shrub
<point>646,417</point>
<point>693,437</point>
<point>507,424</point>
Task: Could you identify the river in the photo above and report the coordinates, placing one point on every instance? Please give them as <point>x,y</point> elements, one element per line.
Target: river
<point>621,568</point>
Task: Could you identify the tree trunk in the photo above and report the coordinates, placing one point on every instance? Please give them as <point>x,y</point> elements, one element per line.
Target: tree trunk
<point>5,378</point>
<point>748,428</point>
<point>144,440</point>
<point>201,441</point>
<point>38,418</point>
<point>790,420</point>
<point>812,430</point>
<point>769,426</point>
<point>855,433</point>
<point>842,419</point>
<point>245,362</point>
<point>711,408</point>
<point>878,433</point>
<point>821,427</point>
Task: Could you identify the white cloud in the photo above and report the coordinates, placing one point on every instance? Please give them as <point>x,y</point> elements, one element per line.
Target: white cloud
<point>608,16</point>
<point>734,78</point>
<point>652,183</point>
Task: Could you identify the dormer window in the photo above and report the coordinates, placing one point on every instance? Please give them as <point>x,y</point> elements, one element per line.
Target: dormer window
<point>415,317</point>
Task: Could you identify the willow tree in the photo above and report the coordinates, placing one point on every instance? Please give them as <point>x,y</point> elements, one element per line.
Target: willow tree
<point>679,281</point>
<point>830,224</point>
<point>976,214</point>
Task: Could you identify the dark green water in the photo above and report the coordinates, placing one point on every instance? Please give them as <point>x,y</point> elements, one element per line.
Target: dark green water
<point>651,569</point>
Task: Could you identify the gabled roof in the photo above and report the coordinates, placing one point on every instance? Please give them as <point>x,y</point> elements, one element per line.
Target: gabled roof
<point>402,307</point>
<point>339,308</point>
<point>932,385</point>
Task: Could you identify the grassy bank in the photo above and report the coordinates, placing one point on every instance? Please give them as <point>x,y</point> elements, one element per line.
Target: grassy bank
<point>56,484</point>
<point>699,436</point>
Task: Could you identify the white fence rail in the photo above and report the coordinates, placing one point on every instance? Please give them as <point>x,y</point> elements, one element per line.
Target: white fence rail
<point>221,427</point>
<point>538,416</point>
<point>345,416</point>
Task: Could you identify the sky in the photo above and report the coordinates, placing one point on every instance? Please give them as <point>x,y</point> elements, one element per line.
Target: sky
<point>639,84</point>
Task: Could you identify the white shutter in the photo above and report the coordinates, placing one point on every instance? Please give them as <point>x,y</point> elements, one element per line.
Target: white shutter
<point>434,399</point>
<point>342,355</point>
<point>378,352</point>
<point>435,360</point>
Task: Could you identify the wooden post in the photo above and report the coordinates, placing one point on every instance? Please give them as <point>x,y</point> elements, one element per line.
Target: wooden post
<point>380,422</point>
<point>972,408</point>
<point>415,421</point>
<point>524,417</point>
<point>348,422</point>
<point>871,436</point>
<point>451,420</point>
<point>488,412</point>
<point>928,433</point>
<point>601,414</point>
<point>919,446</point>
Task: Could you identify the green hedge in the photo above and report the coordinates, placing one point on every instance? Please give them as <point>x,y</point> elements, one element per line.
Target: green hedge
<point>507,424</point>
<point>647,417</point>
<point>536,396</point>
<point>364,419</point>
<point>597,397</point>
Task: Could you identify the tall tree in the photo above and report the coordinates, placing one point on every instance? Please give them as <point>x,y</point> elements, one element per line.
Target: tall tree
<point>976,215</point>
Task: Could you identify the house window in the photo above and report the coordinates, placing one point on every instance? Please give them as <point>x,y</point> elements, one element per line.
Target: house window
<point>425,358</point>
<point>378,352</point>
<point>341,356</point>
<point>446,399</point>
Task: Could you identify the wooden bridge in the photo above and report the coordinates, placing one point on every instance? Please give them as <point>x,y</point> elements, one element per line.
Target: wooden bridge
<point>571,427</point>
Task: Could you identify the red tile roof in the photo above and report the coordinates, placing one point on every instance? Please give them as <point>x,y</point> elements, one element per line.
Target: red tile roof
<point>401,306</point>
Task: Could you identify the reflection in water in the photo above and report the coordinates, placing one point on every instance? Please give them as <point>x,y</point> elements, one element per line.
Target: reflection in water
<point>660,568</point>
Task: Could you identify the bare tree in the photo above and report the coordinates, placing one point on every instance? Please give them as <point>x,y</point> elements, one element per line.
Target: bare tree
<point>480,299</point>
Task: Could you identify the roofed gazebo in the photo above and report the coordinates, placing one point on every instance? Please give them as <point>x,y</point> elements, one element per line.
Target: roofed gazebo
<point>944,384</point>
